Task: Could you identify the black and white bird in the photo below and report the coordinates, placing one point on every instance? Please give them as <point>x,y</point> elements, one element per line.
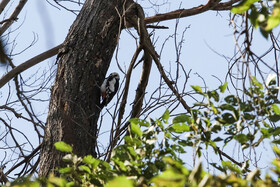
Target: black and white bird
<point>109,88</point>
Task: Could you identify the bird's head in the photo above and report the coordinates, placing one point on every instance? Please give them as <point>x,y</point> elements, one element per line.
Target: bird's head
<point>115,75</point>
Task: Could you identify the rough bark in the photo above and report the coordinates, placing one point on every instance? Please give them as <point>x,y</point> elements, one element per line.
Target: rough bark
<point>84,60</point>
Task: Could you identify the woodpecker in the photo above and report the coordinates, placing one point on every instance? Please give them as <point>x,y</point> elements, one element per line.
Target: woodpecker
<point>109,88</point>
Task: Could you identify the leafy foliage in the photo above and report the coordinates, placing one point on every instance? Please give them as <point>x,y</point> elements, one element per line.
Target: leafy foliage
<point>150,154</point>
<point>263,15</point>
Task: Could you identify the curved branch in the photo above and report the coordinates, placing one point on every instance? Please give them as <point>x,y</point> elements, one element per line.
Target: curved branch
<point>211,5</point>
<point>29,63</point>
<point>140,91</point>
<point>147,44</point>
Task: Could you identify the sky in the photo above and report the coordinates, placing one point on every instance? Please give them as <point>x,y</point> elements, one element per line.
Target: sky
<point>208,35</point>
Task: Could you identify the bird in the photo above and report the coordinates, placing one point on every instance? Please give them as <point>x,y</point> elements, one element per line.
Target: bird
<point>109,88</point>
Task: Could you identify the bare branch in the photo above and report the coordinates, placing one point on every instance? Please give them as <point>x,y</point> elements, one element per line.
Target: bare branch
<point>146,42</point>
<point>212,4</point>
<point>123,103</point>
<point>29,63</point>
<point>128,75</point>
<point>140,92</point>
<point>3,4</point>
<point>13,16</point>
<point>25,160</point>
<point>3,177</point>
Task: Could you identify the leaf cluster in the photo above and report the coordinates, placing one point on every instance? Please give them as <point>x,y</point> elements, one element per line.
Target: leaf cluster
<point>263,14</point>
<point>151,154</point>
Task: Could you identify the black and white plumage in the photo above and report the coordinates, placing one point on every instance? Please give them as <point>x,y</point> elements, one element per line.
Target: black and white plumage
<point>109,88</point>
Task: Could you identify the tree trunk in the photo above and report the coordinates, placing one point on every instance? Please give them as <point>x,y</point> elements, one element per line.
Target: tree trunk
<point>75,97</point>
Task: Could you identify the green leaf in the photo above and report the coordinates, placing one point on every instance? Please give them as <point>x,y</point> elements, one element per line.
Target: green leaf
<point>274,118</point>
<point>228,118</point>
<point>274,19</point>
<point>65,170</point>
<point>121,181</point>
<point>64,147</point>
<point>136,129</point>
<point>243,6</point>
<point>231,99</point>
<point>85,168</point>
<point>223,87</point>
<point>120,164</point>
<point>70,184</point>
<point>241,138</point>
<point>216,128</point>
<point>218,139</point>
<point>277,141</point>
<point>276,109</point>
<point>227,107</point>
<point>106,165</point>
<point>140,122</point>
<point>56,180</point>
<point>254,16</point>
<point>230,166</point>
<point>185,143</point>
<point>214,94</point>
<point>271,80</point>
<point>256,82</point>
<point>165,116</point>
<point>91,161</point>
<point>249,116</point>
<point>264,32</point>
<point>275,131</point>
<point>169,178</point>
<point>198,89</point>
<point>179,128</point>
<point>182,119</point>
<point>220,168</point>
<point>131,151</point>
<point>276,150</point>
<point>265,132</point>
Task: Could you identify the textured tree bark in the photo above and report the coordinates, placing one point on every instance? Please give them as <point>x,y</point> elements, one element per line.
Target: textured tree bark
<point>84,60</point>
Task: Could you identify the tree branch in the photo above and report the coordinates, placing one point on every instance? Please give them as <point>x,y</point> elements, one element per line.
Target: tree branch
<point>122,105</point>
<point>140,91</point>
<point>13,16</point>
<point>146,42</point>
<point>3,4</point>
<point>211,5</point>
<point>29,63</point>
<point>25,160</point>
